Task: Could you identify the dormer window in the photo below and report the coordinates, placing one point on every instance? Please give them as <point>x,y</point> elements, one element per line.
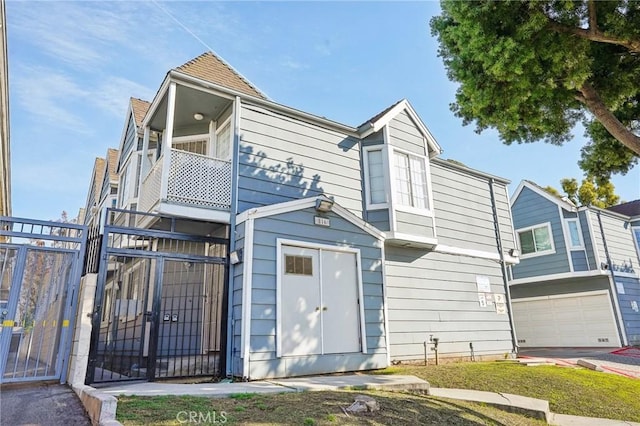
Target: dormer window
<point>375,178</point>
<point>411,180</point>
<point>536,240</point>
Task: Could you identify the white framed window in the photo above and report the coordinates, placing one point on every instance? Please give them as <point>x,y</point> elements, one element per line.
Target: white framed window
<point>636,236</point>
<point>223,141</point>
<point>410,180</point>
<point>574,236</point>
<point>374,171</point>
<point>536,240</point>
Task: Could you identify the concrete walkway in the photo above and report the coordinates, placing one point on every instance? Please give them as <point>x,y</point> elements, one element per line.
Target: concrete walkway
<point>529,406</point>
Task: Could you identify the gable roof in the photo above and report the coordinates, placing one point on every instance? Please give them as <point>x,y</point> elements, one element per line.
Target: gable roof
<point>112,162</point>
<point>631,208</point>
<point>381,119</point>
<point>213,69</point>
<point>139,108</point>
<point>563,202</point>
<point>98,175</point>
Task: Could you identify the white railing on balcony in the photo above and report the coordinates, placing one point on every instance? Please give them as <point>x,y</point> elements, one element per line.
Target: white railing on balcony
<point>151,186</point>
<point>198,180</point>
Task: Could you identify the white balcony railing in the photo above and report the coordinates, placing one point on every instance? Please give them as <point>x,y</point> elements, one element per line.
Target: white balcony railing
<point>151,187</point>
<point>199,181</point>
<point>193,180</point>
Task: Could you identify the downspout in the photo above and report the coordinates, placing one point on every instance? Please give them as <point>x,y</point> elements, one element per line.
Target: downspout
<point>503,267</point>
<point>235,172</point>
<point>612,291</point>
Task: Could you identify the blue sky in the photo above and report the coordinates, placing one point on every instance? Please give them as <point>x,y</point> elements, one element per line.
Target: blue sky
<point>74,65</point>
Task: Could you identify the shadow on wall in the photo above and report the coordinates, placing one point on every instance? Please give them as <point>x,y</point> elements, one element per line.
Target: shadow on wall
<point>264,181</point>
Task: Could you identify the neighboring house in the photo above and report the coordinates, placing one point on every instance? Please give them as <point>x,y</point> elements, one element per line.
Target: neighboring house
<point>577,283</point>
<point>103,188</point>
<point>349,247</point>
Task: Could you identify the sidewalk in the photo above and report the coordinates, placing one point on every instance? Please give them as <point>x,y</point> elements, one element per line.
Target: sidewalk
<point>529,406</point>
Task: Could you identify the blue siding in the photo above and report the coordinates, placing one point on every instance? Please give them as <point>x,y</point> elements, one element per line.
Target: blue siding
<point>531,209</point>
<point>379,219</point>
<point>630,318</point>
<point>579,260</point>
<point>431,293</point>
<point>463,213</point>
<point>130,139</point>
<point>587,238</point>
<point>298,225</point>
<point>283,159</point>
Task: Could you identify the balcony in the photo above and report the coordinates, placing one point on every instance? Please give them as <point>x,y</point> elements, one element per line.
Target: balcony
<point>193,181</point>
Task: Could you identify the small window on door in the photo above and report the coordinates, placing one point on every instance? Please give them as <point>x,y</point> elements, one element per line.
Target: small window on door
<point>298,265</point>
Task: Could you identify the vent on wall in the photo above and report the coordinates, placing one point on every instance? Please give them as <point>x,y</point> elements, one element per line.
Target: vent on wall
<point>603,339</point>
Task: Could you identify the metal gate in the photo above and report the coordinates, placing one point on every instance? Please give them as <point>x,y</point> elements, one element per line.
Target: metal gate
<point>40,264</point>
<point>160,309</point>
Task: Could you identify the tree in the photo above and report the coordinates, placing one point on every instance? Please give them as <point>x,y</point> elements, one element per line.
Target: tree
<point>534,69</point>
<point>589,192</point>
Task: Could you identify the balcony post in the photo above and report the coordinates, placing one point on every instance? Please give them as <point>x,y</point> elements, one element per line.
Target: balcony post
<point>166,140</point>
<point>145,165</point>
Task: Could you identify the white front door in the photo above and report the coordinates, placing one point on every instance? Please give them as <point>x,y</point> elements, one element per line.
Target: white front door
<point>301,327</point>
<point>319,309</point>
<point>340,303</point>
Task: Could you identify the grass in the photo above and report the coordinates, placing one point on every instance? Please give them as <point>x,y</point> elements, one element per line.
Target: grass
<point>311,408</point>
<point>573,391</point>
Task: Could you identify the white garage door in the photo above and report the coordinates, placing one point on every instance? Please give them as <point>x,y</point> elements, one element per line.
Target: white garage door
<point>584,319</point>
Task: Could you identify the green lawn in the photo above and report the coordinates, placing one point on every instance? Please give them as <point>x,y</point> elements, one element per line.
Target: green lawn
<point>574,391</point>
<point>312,408</point>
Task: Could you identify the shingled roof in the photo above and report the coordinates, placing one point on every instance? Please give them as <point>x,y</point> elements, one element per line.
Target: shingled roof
<point>632,208</point>
<point>211,68</point>
<point>112,161</point>
<point>139,108</point>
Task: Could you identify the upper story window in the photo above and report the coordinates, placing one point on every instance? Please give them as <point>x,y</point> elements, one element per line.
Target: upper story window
<point>536,240</point>
<point>404,173</point>
<point>411,180</point>
<point>574,236</point>
<point>223,141</point>
<point>636,235</point>
<point>374,171</point>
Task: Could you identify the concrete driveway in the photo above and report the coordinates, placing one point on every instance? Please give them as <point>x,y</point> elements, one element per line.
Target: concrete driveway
<point>41,404</point>
<point>622,361</point>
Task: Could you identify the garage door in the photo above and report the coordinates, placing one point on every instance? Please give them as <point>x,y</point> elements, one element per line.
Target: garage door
<point>584,319</point>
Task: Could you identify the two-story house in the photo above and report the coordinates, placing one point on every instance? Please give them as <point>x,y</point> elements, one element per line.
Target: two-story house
<point>103,188</point>
<point>348,247</point>
<point>578,280</point>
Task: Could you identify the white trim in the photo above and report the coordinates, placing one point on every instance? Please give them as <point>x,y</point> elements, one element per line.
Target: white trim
<point>385,305</point>
<point>636,241</point>
<point>155,103</point>
<point>374,206</point>
<point>304,203</point>
<point>566,238</point>
<point>596,252</point>
<point>398,238</point>
<point>560,276</point>
<point>404,105</point>
<point>393,223</point>
<point>626,274</point>
<point>524,184</point>
<point>393,177</point>
<point>565,223</point>
<point>247,277</point>
<point>536,253</point>
<point>226,92</point>
<point>191,212</point>
<point>280,242</point>
<point>563,296</point>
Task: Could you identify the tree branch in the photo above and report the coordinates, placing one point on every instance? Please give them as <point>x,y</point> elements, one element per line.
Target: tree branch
<point>594,34</point>
<point>590,98</point>
<point>593,20</point>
